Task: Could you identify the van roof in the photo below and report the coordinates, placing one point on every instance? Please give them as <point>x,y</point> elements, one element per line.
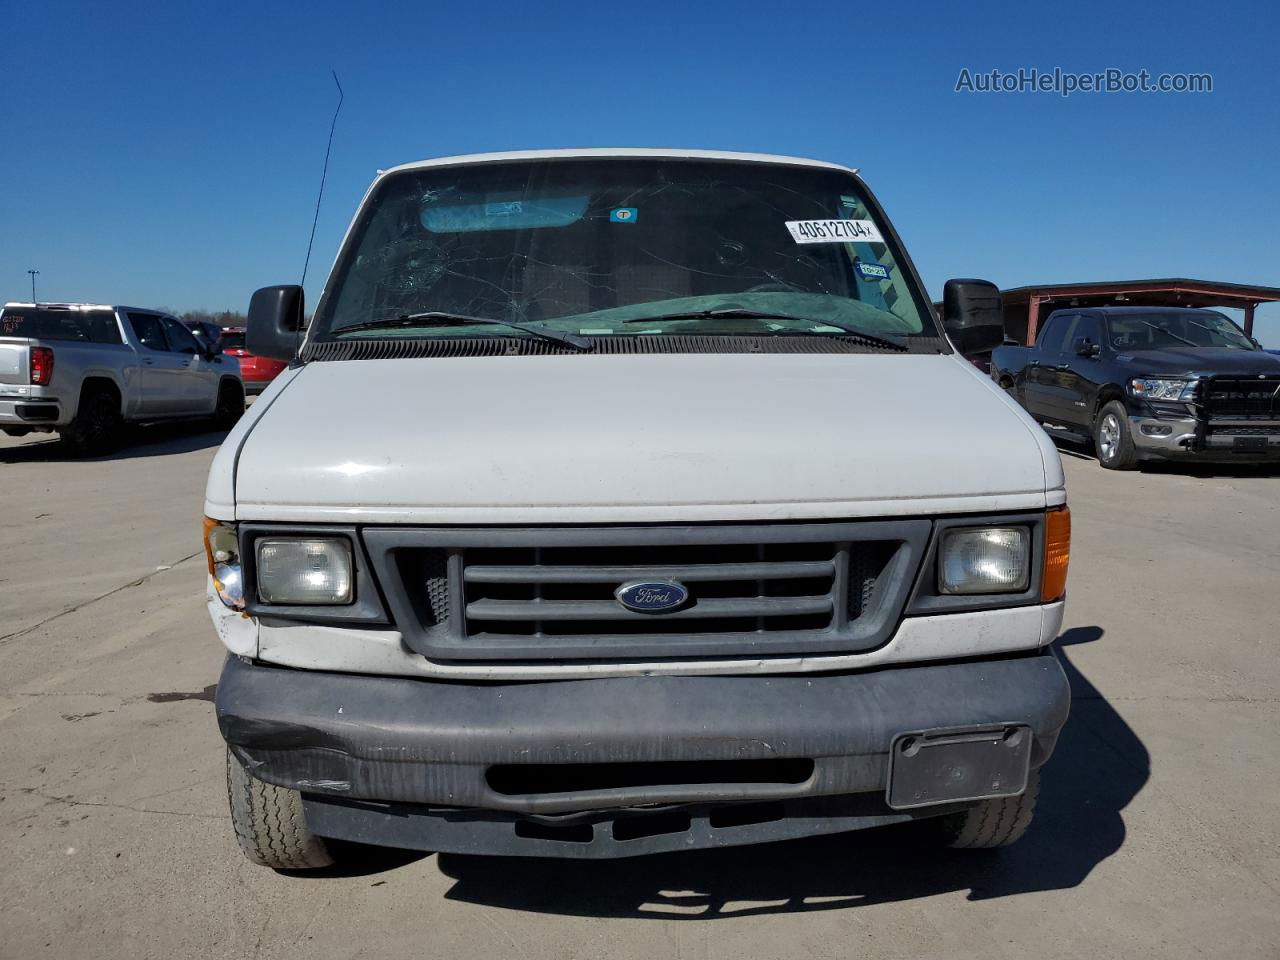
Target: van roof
<point>631,152</point>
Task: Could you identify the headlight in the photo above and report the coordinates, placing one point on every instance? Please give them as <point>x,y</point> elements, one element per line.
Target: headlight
<point>304,571</point>
<point>1159,389</point>
<point>985,560</point>
<point>222,554</point>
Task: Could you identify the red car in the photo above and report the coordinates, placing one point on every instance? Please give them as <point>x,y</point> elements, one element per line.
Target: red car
<point>256,372</point>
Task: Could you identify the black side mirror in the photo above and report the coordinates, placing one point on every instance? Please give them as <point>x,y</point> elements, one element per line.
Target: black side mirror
<point>275,321</point>
<point>972,315</point>
<point>1086,348</point>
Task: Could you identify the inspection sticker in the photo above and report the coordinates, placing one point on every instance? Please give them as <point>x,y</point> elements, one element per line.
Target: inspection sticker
<point>872,271</point>
<point>834,231</point>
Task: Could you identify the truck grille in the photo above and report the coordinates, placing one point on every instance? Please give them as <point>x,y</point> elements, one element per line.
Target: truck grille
<point>538,594</point>
<point>1247,431</point>
<point>1238,398</point>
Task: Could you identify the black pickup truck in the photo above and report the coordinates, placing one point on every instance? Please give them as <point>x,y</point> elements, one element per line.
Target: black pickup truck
<point>1147,383</point>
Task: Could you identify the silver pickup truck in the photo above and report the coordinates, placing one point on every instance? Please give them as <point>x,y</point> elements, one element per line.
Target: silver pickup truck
<point>85,370</point>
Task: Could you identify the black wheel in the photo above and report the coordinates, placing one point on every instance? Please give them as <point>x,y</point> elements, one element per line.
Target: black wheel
<point>992,823</point>
<point>269,823</point>
<point>98,424</point>
<point>230,406</point>
<point>1112,440</point>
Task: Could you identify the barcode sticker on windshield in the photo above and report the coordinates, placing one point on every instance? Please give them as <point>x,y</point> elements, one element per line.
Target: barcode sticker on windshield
<point>834,231</point>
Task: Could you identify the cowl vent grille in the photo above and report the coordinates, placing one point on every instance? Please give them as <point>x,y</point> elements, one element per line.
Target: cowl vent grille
<point>398,348</point>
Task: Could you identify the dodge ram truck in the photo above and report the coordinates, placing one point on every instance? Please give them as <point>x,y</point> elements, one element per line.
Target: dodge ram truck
<point>86,371</point>
<point>624,501</point>
<point>1148,383</point>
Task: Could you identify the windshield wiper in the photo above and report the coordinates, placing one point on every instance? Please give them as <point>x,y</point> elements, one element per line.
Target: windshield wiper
<point>743,313</point>
<point>1231,345</point>
<point>1189,343</point>
<point>439,318</point>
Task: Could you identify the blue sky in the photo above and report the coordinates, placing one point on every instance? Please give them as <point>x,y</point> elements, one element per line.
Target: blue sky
<point>169,155</point>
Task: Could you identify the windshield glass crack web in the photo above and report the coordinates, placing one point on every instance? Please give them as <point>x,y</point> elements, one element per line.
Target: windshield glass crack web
<point>591,245</point>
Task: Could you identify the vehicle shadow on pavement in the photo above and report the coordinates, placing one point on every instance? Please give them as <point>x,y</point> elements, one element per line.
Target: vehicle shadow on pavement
<point>1099,766</point>
<point>155,440</point>
<point>1186,468</point>
<point>1075,450</point>
<point>1208,471</point>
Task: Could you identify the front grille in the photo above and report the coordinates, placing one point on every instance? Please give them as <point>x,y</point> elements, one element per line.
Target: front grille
<point>735,588</point>
<point>1242,398</point>
<point>1246,431</point>
<point>539,594</point>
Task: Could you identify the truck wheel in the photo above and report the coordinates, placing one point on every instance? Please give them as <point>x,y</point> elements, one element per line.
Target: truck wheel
<point>269,823</point>
<point>992,823</point>
<point>1112,440</point>
<point>230,406</point>
<point>97,425</point>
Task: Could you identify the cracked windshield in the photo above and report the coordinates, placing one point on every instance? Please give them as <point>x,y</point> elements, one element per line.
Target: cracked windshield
<point>598,248</point>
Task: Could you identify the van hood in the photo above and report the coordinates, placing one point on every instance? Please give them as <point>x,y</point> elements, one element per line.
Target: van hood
<point>583,438</point>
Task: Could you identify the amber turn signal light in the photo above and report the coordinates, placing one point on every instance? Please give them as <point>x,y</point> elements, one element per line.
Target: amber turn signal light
<point>208,525</point>
<point>1057,554</point>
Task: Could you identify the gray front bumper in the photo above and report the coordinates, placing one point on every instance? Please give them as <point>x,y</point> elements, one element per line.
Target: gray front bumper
<point>412,746</point>
<point>1181,443</point>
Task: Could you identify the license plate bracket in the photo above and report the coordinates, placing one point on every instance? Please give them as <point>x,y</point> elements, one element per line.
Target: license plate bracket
<point>1249,444</point>
<point>928,767</point>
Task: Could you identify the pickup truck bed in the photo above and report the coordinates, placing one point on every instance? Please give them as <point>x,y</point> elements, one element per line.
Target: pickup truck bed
<point>85,370</point>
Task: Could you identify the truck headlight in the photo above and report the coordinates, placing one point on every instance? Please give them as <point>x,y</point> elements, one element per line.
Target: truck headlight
<point>307,571</point>
<point>985,560</point>
<point>1150,388</point>
<point>222,555</point>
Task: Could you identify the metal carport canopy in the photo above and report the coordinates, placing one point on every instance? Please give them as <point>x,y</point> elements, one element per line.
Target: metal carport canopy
<point>1028,304</point>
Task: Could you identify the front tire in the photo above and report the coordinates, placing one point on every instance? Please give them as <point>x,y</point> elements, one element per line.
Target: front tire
<point>98,424</point>
<point>1112,439</point>
<point>230,406</point>
<point>269,823</point>
<point>992,823</point>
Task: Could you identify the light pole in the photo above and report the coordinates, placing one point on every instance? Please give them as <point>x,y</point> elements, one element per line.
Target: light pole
<point>33,284</point>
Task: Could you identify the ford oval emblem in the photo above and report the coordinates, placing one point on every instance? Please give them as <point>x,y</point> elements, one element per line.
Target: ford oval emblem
<point>658,596</point>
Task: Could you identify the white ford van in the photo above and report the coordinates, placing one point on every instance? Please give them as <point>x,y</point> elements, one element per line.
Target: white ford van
<point>622,501</point>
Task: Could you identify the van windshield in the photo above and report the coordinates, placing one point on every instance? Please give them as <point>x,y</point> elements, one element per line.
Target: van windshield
<point>600,247</point>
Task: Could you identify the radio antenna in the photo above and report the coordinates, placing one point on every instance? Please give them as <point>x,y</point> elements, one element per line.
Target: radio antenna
<point>323,174</point>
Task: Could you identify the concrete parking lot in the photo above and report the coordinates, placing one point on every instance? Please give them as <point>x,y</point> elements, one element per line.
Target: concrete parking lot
<point>1158,832</point>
